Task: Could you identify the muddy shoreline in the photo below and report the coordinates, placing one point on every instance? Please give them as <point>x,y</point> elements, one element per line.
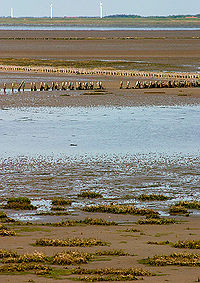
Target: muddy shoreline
<point>112,95</point>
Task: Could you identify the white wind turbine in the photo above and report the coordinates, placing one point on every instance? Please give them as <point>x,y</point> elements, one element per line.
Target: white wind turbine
<point>51,6</point>
<point>101,10</point>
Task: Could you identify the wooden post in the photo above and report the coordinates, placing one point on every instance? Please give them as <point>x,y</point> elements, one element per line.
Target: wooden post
<point>12,87</point>
<point>4,87</point>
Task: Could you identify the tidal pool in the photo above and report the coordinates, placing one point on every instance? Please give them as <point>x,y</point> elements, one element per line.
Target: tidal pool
<point>99,130</point>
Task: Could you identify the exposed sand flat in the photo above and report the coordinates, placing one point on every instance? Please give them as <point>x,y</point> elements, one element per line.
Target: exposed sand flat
<point>175,45</point>
<point>98,34</point>
<point>116,98</point>
<point>131,242</point>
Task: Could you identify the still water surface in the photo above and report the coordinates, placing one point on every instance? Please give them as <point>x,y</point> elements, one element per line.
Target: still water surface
<point>99,130</point>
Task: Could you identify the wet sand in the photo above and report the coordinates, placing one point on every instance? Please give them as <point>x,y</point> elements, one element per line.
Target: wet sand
<point>129,45</point>
<point>116,179</point>
<point>132,242</point>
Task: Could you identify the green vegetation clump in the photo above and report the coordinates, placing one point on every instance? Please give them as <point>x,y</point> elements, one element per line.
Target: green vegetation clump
<point>71,257</point>
<point>97,221</point>
<point>26,258</point>
<point>67,223</point>
<point>86,221</point>
<point>110,274</point>
<point>9,220</point>
<point>2,215</point>
<point>20,203</point>
<point>7,254</point>
<point>5,219</point>
<point>61,258</point>
<point>12,262</point>
<point>121,209</point>
<point>187,244</point>
<point>156,221</point>
<point>178,209</point>
<point>38,269</point>
<point>189,204</point>
<point>108,278</point>
<point>88,194</point>
<point>180,259</point>
<point>61,201</point>
<point>145,197</point>
<point>70,242</point>
<point>6,232</point>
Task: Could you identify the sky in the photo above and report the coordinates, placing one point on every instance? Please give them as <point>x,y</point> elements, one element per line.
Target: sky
<point>38,8</point>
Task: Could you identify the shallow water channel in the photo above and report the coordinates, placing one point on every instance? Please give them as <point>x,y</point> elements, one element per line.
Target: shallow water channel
<point>45,131</point>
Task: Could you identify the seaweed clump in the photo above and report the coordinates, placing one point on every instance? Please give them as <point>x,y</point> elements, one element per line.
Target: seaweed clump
<point>178,209</point>
<point>71,257</point>
<point>121,209</point>
<point>6,232</point>
<point>187,244</point>
<point>61,201</point>
<point>97,221</point>
<point>90,195</point>
<point>189,204</point>
<point>70,242</point>
<point>86,221</point>
<point>38,269</point>
<point>20,203</point>
<point>180,259</point>
<point>5,219</point>
<point>156,221</point>
<point>110,274</point>
<point>61,258</point>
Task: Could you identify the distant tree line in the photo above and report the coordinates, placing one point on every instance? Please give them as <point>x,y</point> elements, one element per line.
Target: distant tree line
<point>137,16</point>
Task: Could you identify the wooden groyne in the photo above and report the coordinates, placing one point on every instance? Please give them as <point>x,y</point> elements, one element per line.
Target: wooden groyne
<point>99,72</point>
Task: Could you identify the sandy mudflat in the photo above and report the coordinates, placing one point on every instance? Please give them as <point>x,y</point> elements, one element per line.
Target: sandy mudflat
<point>151,45</point>
<point>131,242</point>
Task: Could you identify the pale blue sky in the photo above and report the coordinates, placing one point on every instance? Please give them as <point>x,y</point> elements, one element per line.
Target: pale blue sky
<point>91,7</point>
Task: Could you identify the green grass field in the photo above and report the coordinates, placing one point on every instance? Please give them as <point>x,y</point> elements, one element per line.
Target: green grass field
<point>106,22</point>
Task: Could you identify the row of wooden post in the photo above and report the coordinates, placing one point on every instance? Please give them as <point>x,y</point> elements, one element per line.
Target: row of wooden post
<point>101,72</point>
<point>56,86</point>
<point>160,84</point>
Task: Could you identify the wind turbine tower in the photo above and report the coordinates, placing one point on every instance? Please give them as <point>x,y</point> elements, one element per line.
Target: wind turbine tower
<point>11,13</point>
<point>51,6</point>
<point>101,10</point>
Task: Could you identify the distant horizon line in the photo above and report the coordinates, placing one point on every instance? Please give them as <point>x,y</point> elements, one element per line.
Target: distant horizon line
<point>108,16</point>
